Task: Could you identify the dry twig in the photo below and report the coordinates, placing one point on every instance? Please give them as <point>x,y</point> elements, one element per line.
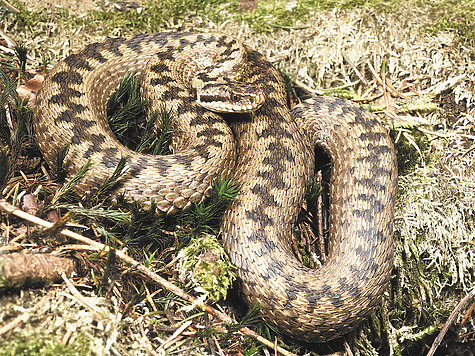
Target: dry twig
<point>19,269</point>
<point>11,7</point>
<point>177,333</point>
<point>449,322</point>
<point>78,296</point>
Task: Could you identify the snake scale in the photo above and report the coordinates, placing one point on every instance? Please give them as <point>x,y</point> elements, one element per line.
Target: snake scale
<point>267,148</point>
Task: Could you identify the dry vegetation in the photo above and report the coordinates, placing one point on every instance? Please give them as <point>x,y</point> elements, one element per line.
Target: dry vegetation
<point>400,62</point>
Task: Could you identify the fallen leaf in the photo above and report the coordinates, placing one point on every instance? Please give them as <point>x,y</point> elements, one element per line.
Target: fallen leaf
<point>29,204</point>
<point>30,88</point>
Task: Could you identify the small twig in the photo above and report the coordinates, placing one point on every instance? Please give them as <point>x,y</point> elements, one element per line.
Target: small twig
<point>9,42</point>
<point>385,90</point>
<point>368,98</point>
<point>394,90</point>
<point>307,88</point>
<point>218,346</point>
<point>446,135</point>
<point>178,331</point>
<point>467,314</point>
<point>11,7</point>
<point>149,298</point>
<point>383,82</point>
<point>67,336</point>
<point>411,89</point>
<point>77,295</point>
<point>209,339</point>
<point>348,348</point>
<point>59,249</point>
<point>51,20</point>
<point>146,272</point>
<point>353,66</point>
<point>449,322</point>
<point>19,269</point>
<point>449,83</point>
<point>38,221</point>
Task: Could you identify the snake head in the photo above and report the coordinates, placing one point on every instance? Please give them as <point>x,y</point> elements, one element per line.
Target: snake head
<point>230,98</point>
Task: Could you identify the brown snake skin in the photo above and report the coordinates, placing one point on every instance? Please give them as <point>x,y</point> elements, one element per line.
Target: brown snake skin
<point>269,151</point>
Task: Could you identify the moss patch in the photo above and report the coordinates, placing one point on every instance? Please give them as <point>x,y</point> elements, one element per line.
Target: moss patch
<point>43,345</point>
<point>206,266</point>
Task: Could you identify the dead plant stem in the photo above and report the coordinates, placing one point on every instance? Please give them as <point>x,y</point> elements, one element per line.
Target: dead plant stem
<point>449,322</point>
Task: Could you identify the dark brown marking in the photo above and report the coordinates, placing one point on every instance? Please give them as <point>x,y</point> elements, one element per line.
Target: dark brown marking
<point>76,61</point>
<point>64,97</point>
<point>67,78</point>
<point>260,217</point>
<point>267,198</point>
<point>93,51</point>
<point>109,158</point>
<point>66,116</point>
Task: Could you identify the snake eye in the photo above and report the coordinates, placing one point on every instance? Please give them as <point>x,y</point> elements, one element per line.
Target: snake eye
<point>235,97</point>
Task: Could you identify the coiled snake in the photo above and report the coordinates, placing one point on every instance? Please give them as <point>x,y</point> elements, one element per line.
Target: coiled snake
<point>268,149</point>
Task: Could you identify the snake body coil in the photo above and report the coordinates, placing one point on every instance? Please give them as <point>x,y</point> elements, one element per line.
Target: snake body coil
<point>269,150</point>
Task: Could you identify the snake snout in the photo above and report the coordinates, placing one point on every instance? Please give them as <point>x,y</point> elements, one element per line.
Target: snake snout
<point>226,98</point>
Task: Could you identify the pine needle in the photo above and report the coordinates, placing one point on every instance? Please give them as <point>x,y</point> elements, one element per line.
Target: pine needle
<point>162,143</point>
<point>111,261</point>
<point>8,90</point>
<point>60,171</point>
<point>126,110</point>
<point>67,188</point>
<point>145,141</point>
<point>21,52</point>
<point>4,167</point>
<point>113,215</point>
<point>109,183</point>
<point>205,217</point>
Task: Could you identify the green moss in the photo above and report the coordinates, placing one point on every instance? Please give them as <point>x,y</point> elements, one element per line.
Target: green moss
<point>424,104</point>
<point>453,16</point>
<point>410,150</point>
<point>26,19</point>
<point>44,346</point>
<point>4,282</point>
<point>154,17</point>
<point>272,14</point>
<point>205,263</point>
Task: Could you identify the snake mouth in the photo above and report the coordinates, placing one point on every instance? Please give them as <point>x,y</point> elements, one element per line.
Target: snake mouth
<point>232,103</point>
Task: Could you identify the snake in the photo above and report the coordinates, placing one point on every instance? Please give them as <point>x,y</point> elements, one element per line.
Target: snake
<point>232,118</point>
